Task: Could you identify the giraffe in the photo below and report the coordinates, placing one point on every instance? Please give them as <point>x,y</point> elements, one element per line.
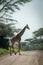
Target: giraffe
<point>17,38</point>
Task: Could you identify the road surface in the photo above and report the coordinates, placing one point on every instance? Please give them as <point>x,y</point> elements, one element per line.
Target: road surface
<point>27,58</point>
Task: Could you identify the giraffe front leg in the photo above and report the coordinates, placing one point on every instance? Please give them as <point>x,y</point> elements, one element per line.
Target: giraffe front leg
<point>19,47</point>
<point>14,51</point>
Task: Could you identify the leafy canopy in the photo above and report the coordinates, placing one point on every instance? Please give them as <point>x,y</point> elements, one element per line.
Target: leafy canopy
<point>7,30</point>
<point>8,7</point>
<point>39,32</point>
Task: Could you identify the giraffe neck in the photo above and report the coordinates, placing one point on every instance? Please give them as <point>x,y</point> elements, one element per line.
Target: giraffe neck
<point>23,30</point>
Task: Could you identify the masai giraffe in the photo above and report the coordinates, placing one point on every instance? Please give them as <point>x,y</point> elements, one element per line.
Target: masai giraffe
<point>17,38</point>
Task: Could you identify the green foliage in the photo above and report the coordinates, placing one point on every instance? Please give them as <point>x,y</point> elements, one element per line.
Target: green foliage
<point>38,33</point>
<point>3,51</point>
<point>26,48</point>
<point>40,47</point>
<point>32,47</point>
<point>5,30</point>
<point>35,43</point>
<point>8,7</point>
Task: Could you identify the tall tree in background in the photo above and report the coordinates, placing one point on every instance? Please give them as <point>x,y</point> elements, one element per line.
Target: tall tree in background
<point>7,30</point>
<point>38,37</point>
<point>38,33</point>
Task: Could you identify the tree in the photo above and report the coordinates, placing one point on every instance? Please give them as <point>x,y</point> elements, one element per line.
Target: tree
<point>7,30</point>
<point>8,7</point>
<point>38,33</point>
<point>36,43</point>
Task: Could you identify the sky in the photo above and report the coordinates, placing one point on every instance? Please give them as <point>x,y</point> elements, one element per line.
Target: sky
<point>30,13</point>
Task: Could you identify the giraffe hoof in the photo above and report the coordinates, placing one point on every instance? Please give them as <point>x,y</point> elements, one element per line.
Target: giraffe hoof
<point>10,54</point>
<point>15,53</point>
<point>19,53</point>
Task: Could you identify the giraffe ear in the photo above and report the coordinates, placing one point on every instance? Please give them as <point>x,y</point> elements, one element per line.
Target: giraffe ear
<point>26,24</point>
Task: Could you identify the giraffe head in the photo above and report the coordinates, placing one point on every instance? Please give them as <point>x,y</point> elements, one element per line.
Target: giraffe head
<point>27,27</point>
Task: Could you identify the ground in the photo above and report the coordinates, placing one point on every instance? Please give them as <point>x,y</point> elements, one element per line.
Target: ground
<point>26,58</point>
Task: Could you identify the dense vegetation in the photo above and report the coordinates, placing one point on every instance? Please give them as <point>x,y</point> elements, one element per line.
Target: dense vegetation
<point>35,43</point>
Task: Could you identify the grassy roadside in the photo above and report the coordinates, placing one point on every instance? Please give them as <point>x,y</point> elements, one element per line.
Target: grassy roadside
<point>3,51</point>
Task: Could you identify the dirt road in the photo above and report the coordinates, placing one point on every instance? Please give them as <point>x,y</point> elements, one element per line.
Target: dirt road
<point>27,58</point>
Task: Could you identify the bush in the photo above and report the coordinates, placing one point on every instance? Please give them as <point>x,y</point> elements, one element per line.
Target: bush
<point>3,51</point>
